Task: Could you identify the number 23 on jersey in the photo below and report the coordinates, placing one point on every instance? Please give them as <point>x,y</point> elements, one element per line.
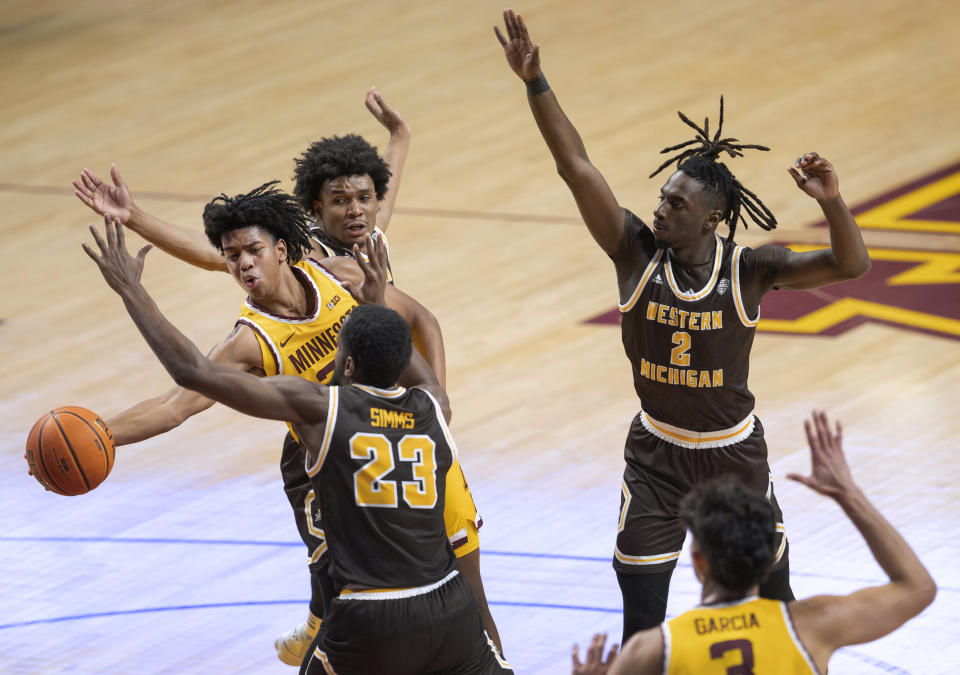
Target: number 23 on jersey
<point>370,487</point>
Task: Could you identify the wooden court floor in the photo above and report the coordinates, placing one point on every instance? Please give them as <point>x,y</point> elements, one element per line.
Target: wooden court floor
<point>186,559</point>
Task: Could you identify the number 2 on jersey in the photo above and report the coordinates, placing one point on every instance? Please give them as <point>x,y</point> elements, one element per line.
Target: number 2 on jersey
<point>370,488</point>
<point>680,355</point>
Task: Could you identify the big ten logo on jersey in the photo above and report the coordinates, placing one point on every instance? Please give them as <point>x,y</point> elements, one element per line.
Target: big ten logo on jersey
<point>393,419</point>
<point>333,302</point>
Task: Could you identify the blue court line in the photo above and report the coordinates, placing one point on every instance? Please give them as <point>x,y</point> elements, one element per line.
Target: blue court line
<point>260,603</point>
<point>486,552</point>
<point>888,667</point>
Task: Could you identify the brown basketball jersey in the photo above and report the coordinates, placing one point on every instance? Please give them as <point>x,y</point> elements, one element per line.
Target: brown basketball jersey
<point>380,474</point>
<point>688,340</point>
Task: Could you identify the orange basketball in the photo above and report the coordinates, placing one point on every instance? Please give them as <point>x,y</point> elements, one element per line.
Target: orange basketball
<point>70,450</point>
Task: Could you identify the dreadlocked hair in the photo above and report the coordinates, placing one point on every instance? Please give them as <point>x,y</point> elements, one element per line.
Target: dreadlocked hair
<point>333,157</point>
<point>699,161</point>
<point>265,207</point>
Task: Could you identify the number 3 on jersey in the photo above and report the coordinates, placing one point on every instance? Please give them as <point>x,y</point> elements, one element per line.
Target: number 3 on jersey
<point>369,487</point>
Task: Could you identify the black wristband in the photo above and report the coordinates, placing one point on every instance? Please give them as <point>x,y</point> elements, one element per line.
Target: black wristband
<point>537,86</point>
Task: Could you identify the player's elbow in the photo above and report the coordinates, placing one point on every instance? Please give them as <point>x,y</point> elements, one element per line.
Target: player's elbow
<point>847,270</point>
<point>927,593</point>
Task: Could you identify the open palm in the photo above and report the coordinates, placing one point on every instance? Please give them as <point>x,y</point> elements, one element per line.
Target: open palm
<point>523,56</point>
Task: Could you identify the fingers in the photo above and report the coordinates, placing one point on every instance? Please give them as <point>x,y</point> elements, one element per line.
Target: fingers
<point>576,656</point>
<point>142,253</point>
<point>800,180</point>
<point>115,175</point>
<point>98,239</point>
<point>595,652</point>
<point>614,650</point>
<point>372,103</point>
<point>503,43</point>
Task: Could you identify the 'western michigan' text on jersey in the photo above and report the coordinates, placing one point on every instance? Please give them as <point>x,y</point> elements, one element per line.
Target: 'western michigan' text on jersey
<point>689,346</point>
<point>380,474</point>
<point>302,345</point>
<point>752,635</point>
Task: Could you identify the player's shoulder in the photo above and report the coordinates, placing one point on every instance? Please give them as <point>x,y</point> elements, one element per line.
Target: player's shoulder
<point>765,256</point>
<point>643,652</point>
<point>240,348</point>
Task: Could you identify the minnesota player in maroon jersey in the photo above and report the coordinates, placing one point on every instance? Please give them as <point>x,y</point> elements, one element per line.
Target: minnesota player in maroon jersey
<point>401,606</point>
<point>733,630</point>
<point>690,305</point>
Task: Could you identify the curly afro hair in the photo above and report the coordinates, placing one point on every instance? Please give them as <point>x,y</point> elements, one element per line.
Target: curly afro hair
<point>333,157</point>
<point>265,207</point>
<point>735,530</point>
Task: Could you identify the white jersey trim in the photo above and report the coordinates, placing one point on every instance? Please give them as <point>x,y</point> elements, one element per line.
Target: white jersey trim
<point>737,297</point>
<point>711,282</point>
<point>396,594</point>
<point>797,642</point>
<point>394,392</point>
<point>696,440</point>
<point>278,362</point>
<point>332,406</point>
<point>443,425</point>
<point>651,266</point>
<point>656,559</point>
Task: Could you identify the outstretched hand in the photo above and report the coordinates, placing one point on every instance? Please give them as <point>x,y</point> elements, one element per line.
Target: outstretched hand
<point>114,201</point>
<point>594,663</point>
<point>523,56</point>
<point>385,113</point>
<point>120,269</point>
<point>829,472</point>
<point>815,176</point>
<point>374,267</point>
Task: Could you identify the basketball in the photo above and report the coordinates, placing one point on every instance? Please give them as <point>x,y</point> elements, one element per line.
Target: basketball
<point>70,450</point>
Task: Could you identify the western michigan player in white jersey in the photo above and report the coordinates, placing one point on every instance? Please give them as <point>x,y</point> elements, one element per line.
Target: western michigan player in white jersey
<point>350,191</point>
<point>402,606</point>
<point>735,631</point>
<point>690,305</point>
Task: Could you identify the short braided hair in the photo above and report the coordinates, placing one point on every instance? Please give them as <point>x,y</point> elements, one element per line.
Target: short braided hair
<point>700,162</point>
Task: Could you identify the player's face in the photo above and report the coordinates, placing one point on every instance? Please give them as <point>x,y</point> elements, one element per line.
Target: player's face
<point>685,214</point>
<point>254,259</point>
<point>348,207</point>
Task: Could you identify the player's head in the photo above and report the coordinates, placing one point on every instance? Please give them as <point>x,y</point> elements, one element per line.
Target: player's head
<point>258,233</point>
<point>374,347</point>
<point>703,192</point>
<point>733,532</point>
<point>341,179</point>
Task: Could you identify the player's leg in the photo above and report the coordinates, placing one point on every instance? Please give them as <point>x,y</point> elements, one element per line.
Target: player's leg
<point>292,644</point>
<point>649,535</point>
<point>460,643</point>
<point>462,525</point>
<point>748,461</point>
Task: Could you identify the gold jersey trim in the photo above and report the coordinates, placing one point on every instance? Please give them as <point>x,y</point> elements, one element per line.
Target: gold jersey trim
<point>395,593</point>
<point>696,440</point>
<point>656,559</point>
<point>332,406</point>
<point>394,392</point>
<point>651,266</point>
<point>711,282</point>
<point>737,298</point>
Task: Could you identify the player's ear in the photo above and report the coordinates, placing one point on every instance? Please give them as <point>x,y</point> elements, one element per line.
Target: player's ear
<point>349,367</point>
<point>318,208</point>
<point>282,250</point>
<point>712,220</point>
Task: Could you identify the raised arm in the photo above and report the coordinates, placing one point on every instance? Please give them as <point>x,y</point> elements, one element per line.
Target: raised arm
<point>355,273</point>
<point>825,623</point>
<point>160,414</point>
<point>598,206</point>
<point>395,154</point>
<point>847,257</point>
<point>187,244</point>
<point>287,398</point>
